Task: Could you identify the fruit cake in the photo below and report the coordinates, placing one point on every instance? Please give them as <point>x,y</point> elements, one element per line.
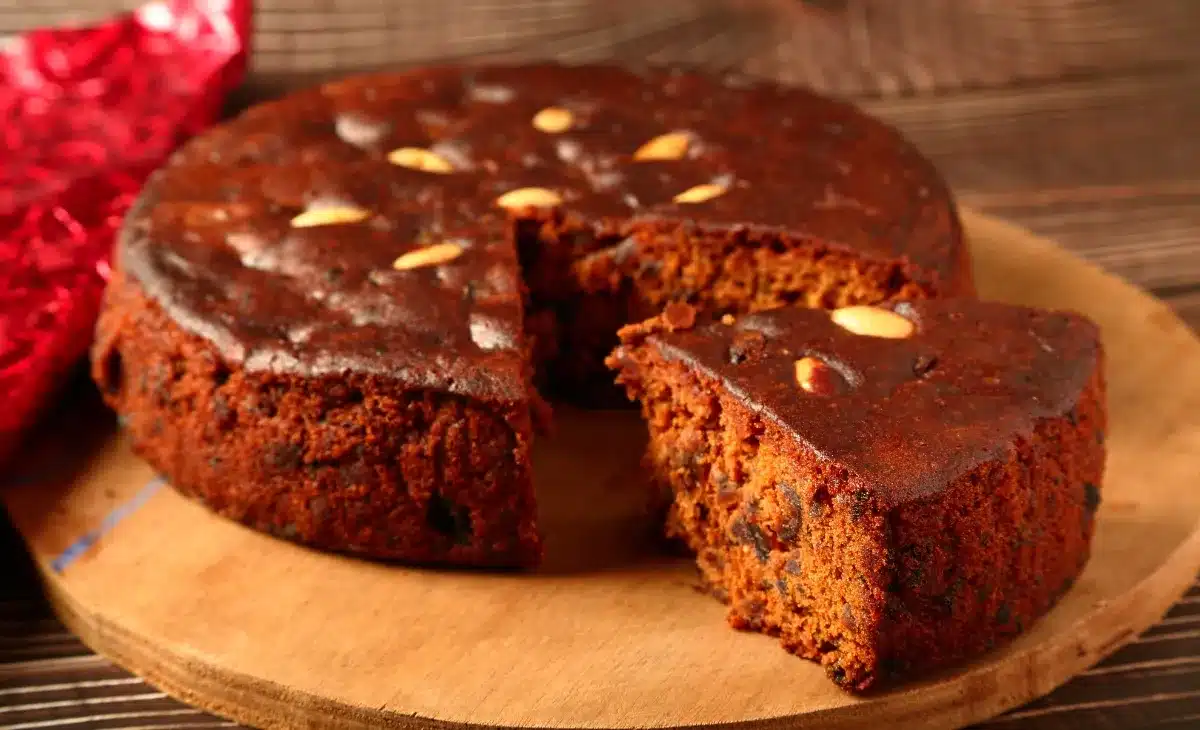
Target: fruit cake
<point>887,489</point>
<point>332,316</point>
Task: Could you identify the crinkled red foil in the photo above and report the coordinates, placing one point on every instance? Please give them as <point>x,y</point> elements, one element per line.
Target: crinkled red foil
<point>85,115</point>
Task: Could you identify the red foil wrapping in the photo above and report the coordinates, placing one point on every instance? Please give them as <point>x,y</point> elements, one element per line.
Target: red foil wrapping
<point>85,115</point>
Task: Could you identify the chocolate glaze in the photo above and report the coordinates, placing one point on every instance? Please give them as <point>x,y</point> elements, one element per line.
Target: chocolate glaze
<point>919,412</point>
<point>210,238</point>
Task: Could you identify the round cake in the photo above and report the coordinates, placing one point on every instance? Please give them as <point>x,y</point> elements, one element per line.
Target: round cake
<point>331,318</point>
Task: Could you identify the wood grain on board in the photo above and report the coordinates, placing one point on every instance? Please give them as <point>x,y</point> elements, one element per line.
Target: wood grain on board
<point>1107,165</point>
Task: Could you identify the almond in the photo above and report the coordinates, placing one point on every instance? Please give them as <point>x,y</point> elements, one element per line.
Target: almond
<point>669,146</point>
<point>418,158</point>
<point>700,193</point>
<point>330,216</point>
<point>553,120</point>
<point>806,373</point>
<point>873,322</point>
<point>438,253</point>
<point>522,198</point>
<point>817,377</point>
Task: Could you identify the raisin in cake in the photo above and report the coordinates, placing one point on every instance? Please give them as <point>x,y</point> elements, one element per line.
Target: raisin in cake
<point>329,315</point>
<point>887,490</point>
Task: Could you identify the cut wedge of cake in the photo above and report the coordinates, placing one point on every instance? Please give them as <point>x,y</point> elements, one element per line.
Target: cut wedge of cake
<point>886,489</point>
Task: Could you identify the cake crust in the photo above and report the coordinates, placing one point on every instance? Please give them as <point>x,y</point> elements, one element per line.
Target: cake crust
<point>433,237</point>
<point>932,499</point>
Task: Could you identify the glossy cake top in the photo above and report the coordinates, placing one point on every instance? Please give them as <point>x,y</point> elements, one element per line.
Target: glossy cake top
<point>281,235</point>
<point>908,399</point>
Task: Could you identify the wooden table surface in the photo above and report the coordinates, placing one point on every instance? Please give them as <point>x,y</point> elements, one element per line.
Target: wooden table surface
<point>1108,166</point>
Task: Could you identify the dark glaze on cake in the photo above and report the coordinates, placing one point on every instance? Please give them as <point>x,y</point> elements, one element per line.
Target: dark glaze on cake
<point>885,505</point>
<point>293,379</point>
<point>322,298</point>
<point>914,413</point>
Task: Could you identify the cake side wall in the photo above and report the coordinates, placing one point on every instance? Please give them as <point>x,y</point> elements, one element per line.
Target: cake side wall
<point>980,563</point>
<point>351,464</point>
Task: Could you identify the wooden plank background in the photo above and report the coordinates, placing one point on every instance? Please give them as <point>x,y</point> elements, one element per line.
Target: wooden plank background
<point>1075,118</point>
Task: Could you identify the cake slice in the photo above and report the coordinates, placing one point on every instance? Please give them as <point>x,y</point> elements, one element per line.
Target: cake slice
<point>887,490</point>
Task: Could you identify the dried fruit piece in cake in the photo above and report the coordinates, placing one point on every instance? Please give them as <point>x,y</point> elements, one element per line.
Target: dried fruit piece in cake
<point>887,490</point>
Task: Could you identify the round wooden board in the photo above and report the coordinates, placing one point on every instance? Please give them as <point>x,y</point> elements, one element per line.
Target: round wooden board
<point>608,635</point>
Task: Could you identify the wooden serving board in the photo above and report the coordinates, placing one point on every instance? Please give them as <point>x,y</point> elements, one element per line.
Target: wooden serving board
<point>610,634</point>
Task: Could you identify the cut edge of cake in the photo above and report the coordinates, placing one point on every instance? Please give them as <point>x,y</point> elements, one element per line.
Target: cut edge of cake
<point>577,303</point>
